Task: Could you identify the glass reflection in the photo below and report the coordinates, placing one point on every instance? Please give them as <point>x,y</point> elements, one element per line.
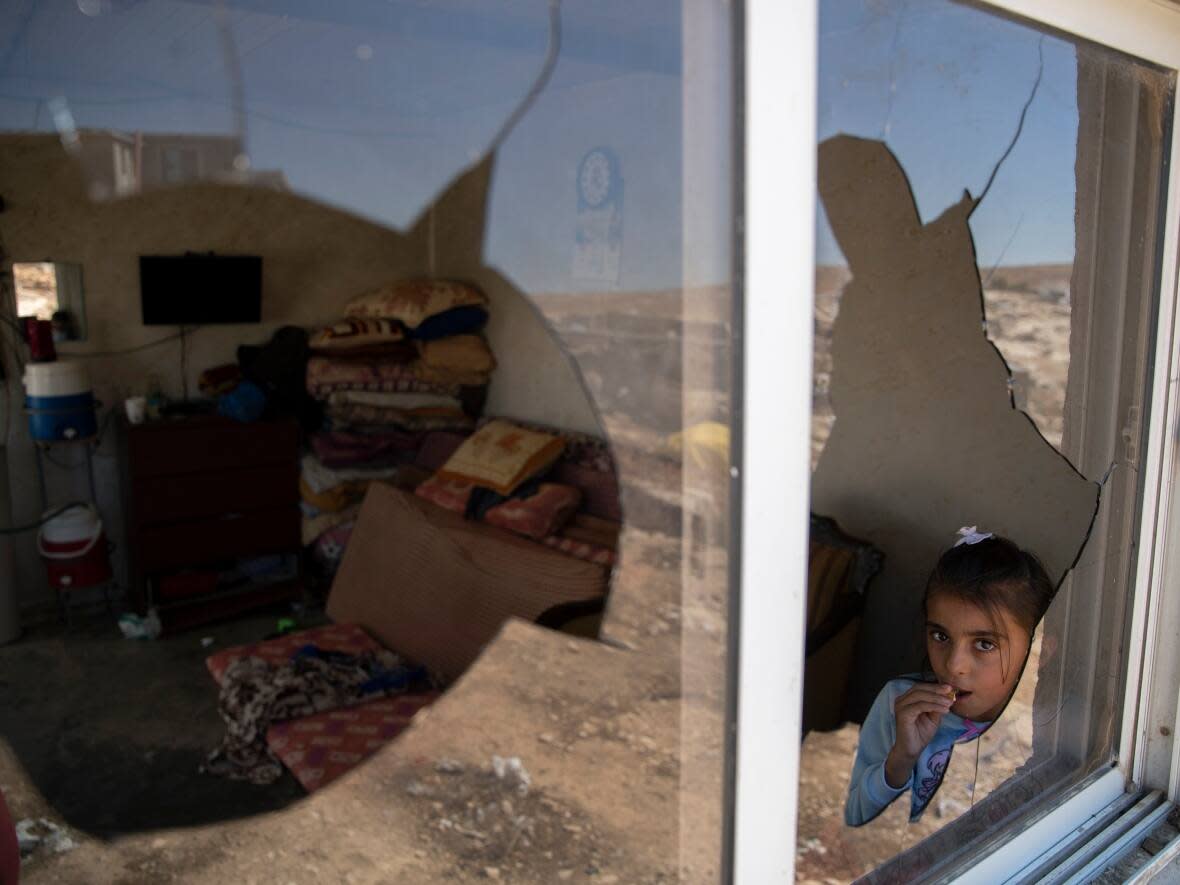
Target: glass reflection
<point>354,145</point>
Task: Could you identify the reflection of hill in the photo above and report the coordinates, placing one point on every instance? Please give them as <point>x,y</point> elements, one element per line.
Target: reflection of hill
<point>651,333</point>
<point>665,340</point>
<point>654,362</point>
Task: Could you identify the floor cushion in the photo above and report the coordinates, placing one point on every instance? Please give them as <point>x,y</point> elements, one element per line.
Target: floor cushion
<point>320,748</point>
<point>347,638</point>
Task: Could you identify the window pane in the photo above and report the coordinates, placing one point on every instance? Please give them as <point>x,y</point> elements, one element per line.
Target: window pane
<point>572,163</point>
<point>987,254</point>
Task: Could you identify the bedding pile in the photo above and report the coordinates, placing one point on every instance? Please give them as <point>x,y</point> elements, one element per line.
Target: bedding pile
<point>406,361</point>
<point>551,486</point>
<point>256,694</point>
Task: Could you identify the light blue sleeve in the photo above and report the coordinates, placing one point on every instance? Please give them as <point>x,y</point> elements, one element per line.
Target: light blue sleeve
<point>868,791</point>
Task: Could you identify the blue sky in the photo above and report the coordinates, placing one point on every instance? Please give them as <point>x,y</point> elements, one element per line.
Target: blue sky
<point>373,106</point>
<point>943,85</point>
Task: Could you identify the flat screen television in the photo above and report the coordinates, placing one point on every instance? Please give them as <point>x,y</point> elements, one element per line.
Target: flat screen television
<point>198,289</point>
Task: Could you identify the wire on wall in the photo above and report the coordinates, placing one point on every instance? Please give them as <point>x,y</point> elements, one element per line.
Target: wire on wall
<point>137,348</point>
<point>45,517</point>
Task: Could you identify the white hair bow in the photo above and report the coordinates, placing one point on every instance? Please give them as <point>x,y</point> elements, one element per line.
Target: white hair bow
<point>970,534</point>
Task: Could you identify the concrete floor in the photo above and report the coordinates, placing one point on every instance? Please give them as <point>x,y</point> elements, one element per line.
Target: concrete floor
<point>106,734</point>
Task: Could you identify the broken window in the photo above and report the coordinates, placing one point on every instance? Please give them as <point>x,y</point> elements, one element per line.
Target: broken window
<point>570,161</point>
<point>987,255</point>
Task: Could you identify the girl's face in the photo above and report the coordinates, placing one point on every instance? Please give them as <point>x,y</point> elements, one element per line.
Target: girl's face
<point>979,655</point>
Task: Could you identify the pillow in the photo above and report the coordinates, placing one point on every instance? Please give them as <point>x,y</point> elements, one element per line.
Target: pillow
<point>449,494</point>
<point>354,333</point>
<point>456,321</point>
<point>538,515</point>
<point>468,353</point>
<point>412,301</point>
<point>500,456</point>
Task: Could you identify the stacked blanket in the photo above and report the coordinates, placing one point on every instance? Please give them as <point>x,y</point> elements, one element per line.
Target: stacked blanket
<point>406,360</point>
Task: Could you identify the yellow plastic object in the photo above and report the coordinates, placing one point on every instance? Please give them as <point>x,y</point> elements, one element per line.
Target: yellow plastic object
<point>706,444</point>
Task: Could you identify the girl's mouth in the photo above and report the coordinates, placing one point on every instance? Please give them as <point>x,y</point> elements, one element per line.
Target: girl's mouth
<point>961,695</point>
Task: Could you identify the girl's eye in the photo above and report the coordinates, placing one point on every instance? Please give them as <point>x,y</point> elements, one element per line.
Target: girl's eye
<point>985,645</point>
<point>938,636</point>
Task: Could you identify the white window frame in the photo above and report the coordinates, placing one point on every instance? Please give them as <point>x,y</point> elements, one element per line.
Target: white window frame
<point>779,85</point>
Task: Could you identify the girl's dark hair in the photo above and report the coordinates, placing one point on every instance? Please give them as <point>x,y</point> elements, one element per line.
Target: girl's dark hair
<point>995,574</point>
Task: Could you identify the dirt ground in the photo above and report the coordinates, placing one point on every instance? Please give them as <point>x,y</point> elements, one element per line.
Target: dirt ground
<point>103,736</point>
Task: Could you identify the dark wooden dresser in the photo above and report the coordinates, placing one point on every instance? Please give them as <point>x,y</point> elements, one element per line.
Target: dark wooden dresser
<point>200,494</point>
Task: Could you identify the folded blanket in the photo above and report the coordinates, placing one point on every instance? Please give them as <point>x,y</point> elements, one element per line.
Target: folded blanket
<point>501,456</point>
<point>255,694</point>
<point>581,449</point>
<point>321,478</point>
<point>535,510</point>
<point>342,449</point>
<point>362,418</point>
<point>362,332</point>
<point>395,400</point>
<point>536,515</point>
<point>327,374</point>
<point>461,353</point>
<point>395,352</point>
<point>411,302</point>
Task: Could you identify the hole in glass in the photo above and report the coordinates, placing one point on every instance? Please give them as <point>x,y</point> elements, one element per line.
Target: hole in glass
<point>963,164</point>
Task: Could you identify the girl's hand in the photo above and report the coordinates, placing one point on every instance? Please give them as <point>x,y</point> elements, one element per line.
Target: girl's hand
<point>918,714</point>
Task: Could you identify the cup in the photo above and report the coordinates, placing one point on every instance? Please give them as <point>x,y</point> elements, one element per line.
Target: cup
<point>136,408</point>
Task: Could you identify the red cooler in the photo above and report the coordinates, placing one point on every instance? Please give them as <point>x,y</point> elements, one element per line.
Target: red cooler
<point>75,549</point>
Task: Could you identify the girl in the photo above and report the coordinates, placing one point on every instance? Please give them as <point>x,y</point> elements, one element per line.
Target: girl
<point>983,601</point>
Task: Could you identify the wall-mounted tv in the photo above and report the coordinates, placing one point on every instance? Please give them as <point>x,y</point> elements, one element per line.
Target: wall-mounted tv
<point>196,289</point>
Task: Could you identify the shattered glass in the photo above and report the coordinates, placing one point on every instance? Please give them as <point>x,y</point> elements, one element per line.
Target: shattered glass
<point>1013,130</point>
<point>572,161</point>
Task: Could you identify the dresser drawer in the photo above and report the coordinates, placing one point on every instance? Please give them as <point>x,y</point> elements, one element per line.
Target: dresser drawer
<point>173,448</point>
<point>185,544</point>
<point>161,499</point>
